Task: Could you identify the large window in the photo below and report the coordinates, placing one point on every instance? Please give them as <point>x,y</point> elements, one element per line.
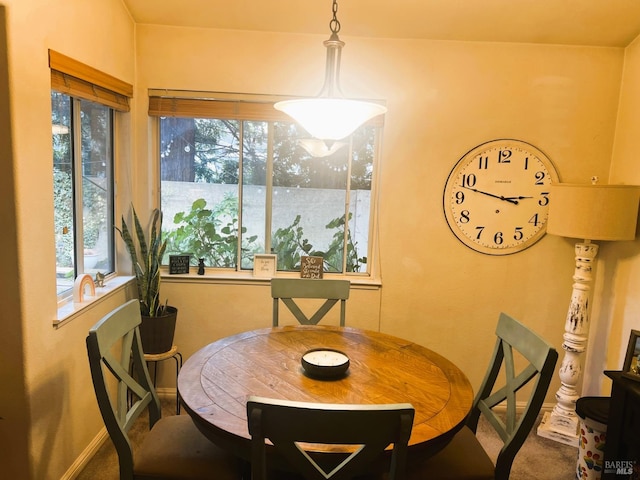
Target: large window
<point>238,179</point>
<point>82,122</point>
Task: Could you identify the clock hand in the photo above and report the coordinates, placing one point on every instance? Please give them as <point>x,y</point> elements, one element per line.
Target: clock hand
<point>518,197</point>
<point>499,197</point>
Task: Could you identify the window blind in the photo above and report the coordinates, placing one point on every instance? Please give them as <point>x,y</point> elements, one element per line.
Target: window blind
<point>210,108</point>
<point>227,109</point>
<point>79,80</point>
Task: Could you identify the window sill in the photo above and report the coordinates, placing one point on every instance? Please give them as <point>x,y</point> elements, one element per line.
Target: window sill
<point>247,278</point>
<point>69,310</point>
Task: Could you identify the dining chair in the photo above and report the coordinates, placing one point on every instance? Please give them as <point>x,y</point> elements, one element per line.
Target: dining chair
<point>288,290</point>
<point>464,458</point>
<point>300,431</point>
<point>173,448</point>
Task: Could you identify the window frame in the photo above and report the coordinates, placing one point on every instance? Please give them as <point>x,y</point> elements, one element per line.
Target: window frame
<point>243,107</point>
<point>81,82</point>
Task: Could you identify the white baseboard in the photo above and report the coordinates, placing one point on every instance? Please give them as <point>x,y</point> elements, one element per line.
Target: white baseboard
<point>520,406</point>
<point>547,407</point>
<point>166,392</point>
<point>86,455</point>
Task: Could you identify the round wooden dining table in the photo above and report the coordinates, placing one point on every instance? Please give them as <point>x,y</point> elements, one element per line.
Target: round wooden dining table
<point>215,382</point>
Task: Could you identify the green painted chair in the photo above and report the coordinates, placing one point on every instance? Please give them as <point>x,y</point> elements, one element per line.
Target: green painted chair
<point>464,458</point>
<point>288,290</point>
<point>173,448</point>
<point>299,430</point>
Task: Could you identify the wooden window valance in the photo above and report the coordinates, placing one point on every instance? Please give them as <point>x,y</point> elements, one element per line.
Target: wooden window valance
<point>227,109</point>
<point>79,80</point>
<point>211,108</point>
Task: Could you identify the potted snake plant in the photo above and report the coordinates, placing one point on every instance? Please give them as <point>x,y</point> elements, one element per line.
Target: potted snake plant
<point>146,252</point>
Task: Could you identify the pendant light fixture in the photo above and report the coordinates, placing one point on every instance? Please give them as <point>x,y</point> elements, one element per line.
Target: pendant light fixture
<point>330,116</point>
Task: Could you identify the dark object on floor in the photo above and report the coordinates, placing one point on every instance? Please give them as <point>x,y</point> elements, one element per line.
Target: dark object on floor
<point>623,428</point>
<point>595,408</point>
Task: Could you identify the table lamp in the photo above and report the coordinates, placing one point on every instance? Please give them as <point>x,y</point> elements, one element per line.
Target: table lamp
<point>588,212</point>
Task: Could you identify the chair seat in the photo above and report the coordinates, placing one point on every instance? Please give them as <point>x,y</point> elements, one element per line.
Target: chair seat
<point>462,459</point>
<point>175,449</point>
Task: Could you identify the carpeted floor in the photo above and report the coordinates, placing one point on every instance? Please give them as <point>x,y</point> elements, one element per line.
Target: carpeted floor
<point>538,459</point>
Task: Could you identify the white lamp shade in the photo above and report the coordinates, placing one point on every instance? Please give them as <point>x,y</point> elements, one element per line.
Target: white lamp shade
<point>593,212</point>
<point>330,118</point>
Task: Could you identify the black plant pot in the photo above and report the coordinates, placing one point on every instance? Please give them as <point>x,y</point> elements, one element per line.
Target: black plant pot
<point>157,333</point>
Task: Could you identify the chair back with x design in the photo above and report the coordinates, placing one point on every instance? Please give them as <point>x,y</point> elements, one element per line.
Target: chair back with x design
<point>540,358</point>
<point>301,431</point>
<point>291,290</point>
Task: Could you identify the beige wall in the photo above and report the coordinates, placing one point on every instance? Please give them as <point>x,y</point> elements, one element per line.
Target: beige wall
<point>443,98</point>
<point>46,401</point>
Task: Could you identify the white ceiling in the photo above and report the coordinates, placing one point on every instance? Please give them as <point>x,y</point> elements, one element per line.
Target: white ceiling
<point>613,23</point>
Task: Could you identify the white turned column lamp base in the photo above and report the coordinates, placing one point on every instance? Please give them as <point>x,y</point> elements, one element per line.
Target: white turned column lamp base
<point>561,424</point>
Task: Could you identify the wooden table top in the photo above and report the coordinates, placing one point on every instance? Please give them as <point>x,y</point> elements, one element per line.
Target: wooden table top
<point>216,381</point>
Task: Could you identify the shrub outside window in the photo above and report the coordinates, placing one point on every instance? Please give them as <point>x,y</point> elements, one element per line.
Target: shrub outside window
<point>234,185</point>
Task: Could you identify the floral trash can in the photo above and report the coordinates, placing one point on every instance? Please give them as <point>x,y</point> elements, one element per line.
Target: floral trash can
<point>592,435</point>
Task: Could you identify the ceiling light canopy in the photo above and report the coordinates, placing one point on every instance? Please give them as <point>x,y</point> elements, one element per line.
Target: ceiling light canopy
<point>330,116</point>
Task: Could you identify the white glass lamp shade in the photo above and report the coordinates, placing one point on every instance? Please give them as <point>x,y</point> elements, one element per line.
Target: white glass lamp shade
<point>593,212</point>
<point>330,118</point>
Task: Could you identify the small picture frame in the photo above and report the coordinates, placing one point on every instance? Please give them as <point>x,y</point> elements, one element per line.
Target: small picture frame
<point>631,368</point>
<point>179,264</point>
<point>264,265</point>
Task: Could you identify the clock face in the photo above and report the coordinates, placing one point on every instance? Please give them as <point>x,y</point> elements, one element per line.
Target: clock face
<point>496,198</point>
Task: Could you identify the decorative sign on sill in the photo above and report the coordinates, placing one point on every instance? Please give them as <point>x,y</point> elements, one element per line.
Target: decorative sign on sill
<point>178,264</point>
<point>265,265</point>
<point>311,267</point>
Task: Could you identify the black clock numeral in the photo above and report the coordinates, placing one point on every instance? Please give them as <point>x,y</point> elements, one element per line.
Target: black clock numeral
<point>459,197</point>
<point>469,180</point>
<point>497,238</point>
<point>539,177</point>
<point>526,163</point>
<point>480,230</point>
<point>483,162</point>
<point>517,234</point>
<point>544,201</point>
<point>504,156</point>
<point>464,216</point>
<point>534,220</point>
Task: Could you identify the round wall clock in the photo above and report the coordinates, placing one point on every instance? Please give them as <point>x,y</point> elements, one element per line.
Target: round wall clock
<point>496,198</point>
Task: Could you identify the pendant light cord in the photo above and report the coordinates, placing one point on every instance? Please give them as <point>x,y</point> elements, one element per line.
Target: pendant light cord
<point>334,24</point>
